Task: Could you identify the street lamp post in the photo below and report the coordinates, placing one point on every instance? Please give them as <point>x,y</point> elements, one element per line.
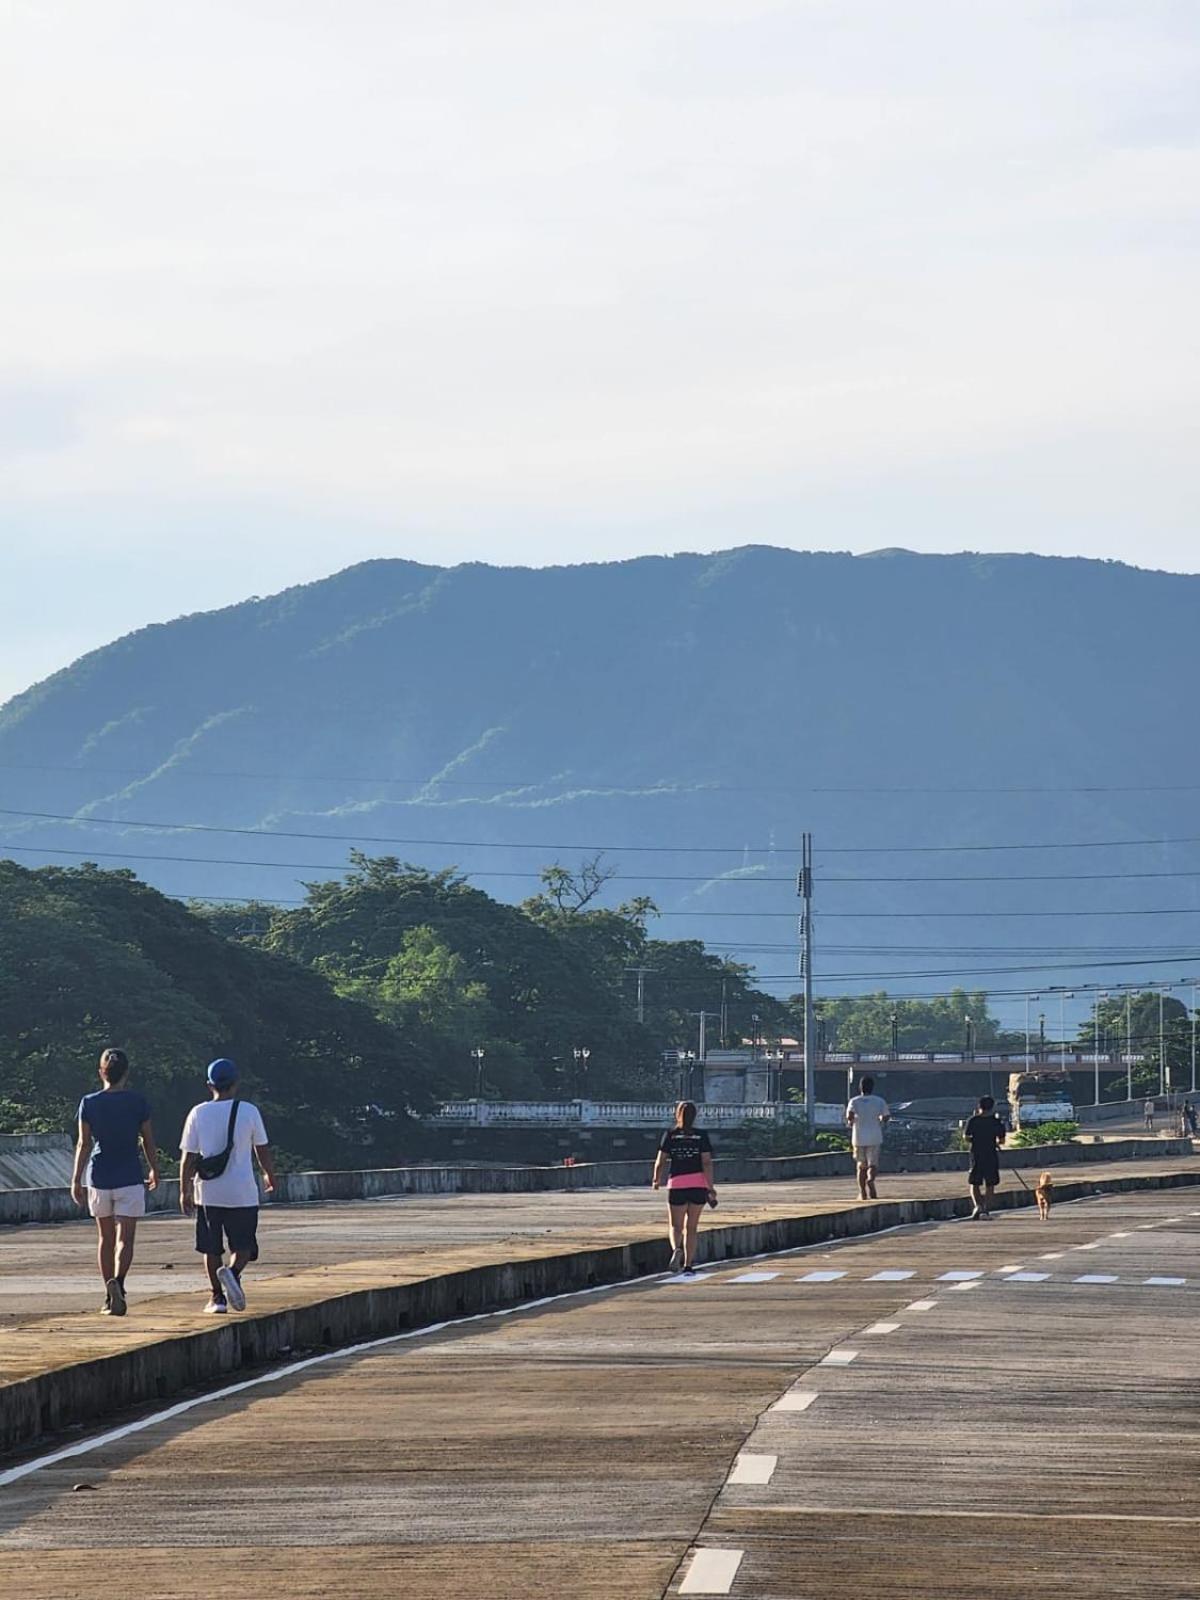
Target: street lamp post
<point>581,1069</point>
<point>1029,998</point>
<point>1128,1045</point>
<point>1063,997</point>
<point>477,1055</point>
<point>1096,1042</point>
<point>895,1035</point>
<point>1163,1075</point>
<point>1195,988</point>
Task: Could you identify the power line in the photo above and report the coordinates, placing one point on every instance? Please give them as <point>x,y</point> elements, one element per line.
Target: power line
<point>616,849</point>
<point>616,877</point>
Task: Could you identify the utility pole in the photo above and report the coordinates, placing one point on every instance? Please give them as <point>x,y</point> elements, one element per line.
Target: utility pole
<point>641,990</point>
<point>804,888</point>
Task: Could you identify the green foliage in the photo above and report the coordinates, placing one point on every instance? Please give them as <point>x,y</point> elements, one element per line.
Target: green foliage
<point>864,1022</point>
<point>1043,1133</point>
<point>836,1142</point>
<point>91,958</point>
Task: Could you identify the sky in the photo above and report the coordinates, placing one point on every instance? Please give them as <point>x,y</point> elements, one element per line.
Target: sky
<point>288,285</point>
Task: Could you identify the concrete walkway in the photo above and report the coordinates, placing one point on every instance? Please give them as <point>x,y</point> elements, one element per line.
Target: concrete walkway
<point>995,1410</point>
<point>318,1256</point>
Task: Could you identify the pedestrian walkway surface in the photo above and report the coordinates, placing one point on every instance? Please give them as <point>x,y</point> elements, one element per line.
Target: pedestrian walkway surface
<point>994,1410</point>
<point>50,1291</point>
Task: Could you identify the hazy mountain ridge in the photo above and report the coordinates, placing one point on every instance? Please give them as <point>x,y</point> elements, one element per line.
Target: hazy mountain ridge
<point>684,700</point>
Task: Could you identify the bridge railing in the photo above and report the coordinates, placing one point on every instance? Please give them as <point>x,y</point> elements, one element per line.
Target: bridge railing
<point>619,1114</point>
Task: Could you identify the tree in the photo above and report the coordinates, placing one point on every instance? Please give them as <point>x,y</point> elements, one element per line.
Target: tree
<point>864,1022</point>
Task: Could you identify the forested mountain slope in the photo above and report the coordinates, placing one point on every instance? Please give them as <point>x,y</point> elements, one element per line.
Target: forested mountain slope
<point>726,702</point>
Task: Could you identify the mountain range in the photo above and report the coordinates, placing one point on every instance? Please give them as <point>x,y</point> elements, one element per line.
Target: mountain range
<point>688,718</point>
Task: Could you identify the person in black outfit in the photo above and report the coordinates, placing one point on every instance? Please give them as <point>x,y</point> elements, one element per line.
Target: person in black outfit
<point>685,1156</point>
<point>986,1133</point>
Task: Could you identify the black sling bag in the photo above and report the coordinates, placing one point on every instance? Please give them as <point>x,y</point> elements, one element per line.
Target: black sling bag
<point>214,1166</point>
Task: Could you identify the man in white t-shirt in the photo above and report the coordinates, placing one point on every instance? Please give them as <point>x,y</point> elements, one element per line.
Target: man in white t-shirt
<point>226,1203</point>
<point>866,1114</point>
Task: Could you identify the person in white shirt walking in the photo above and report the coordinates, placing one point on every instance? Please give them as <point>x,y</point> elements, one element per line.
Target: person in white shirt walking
<point>221,1140</point>
<point>866,1114</point>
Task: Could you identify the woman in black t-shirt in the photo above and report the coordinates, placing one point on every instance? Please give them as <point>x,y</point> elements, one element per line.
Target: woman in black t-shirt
<point>685,1156</point>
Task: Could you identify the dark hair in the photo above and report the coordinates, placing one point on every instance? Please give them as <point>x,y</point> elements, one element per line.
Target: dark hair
<point>986,1102</point>
<point>685,1115</point>
<point>866,1085</point>
<point>114,1064</point>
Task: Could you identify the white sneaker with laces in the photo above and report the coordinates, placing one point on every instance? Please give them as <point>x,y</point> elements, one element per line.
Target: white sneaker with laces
<point>234,1293</point>
<point>215,1308</point>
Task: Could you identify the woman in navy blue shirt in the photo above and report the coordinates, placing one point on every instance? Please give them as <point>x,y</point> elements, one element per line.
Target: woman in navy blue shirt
<point>685,1156</point>
<point>113,1123</point>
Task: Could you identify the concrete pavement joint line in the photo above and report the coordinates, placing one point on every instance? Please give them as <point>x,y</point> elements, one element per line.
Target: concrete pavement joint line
<point>912,1512</point>
<point>712,1572</point>
<point>753,1469</point>
<point>794,1400</point>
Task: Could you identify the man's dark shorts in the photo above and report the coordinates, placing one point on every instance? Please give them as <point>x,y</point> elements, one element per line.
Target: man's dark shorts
<point>984,1170</point>
<point>238,1224</point>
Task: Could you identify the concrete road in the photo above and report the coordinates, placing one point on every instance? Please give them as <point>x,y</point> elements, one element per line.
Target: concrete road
<point>950,1410</point>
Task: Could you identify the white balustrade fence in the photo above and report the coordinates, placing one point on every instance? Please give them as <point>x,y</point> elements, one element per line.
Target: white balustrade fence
<point>619,1114</point>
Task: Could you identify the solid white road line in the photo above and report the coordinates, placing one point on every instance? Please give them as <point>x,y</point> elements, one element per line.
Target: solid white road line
<point>1097,1277</point>
<point>795,1400</point>
<point>958,1276</point>
<point>753,1277</point>
<point>921,1305</point>
<point>840,1357</point>
<point>882,1327</point>
<point>712,1572</point>
<point>892,1275</point>
<point>823,1276</point>
<point>1164,1283</point>
<point>1027,1277</point>
<point>752,1469</point>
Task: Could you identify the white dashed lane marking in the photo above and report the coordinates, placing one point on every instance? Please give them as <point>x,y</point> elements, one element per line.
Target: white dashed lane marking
<point>1027,1277</point>
<point>1053,1255</point>
<point>754,1277</point>
<point>882,1327</point>
<point>795,1400</point>
<point>824,1276</point>
<point>712,1572</point>
<point>839,1358</point>
<point>1164,1283</point>
<point>959,1276</point>
<point>961,1286</point>
<point>921,1305</point>
<point>892,1275</point>
<point>753,1469</point>
<point>1096,1277</point>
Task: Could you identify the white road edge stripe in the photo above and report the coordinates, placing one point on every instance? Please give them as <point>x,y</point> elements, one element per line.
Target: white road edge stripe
<point>752,1469</point>
<point>712,1572</point>
<point>795,1400</point>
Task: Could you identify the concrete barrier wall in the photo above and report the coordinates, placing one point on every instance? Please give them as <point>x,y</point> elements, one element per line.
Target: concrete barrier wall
<point>311,1188</point>
<point>87,1391</point>
<point>29,1160</point>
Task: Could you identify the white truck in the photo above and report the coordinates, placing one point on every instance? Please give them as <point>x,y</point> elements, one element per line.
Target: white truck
<point>1037,1097</point>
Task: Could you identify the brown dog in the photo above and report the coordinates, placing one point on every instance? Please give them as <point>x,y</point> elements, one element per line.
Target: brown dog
<point>1045,1195</point>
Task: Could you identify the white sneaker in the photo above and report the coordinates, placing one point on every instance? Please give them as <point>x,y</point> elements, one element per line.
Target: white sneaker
<point>234,1293</point>
<point>215,1308</point>
<point>676,1260</point>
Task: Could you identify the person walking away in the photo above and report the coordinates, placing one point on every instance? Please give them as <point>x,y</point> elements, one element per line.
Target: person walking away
<point>113,1122</point>
<point>685,1157</point>
<point>866,1115</point>
<point>1189,1112</point>
<point>986,1133</point>
<point>222,1138</point>
<point>1148,1115</point>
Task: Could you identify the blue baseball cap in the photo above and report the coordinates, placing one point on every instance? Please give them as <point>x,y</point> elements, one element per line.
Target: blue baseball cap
<point>222,1073</point>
